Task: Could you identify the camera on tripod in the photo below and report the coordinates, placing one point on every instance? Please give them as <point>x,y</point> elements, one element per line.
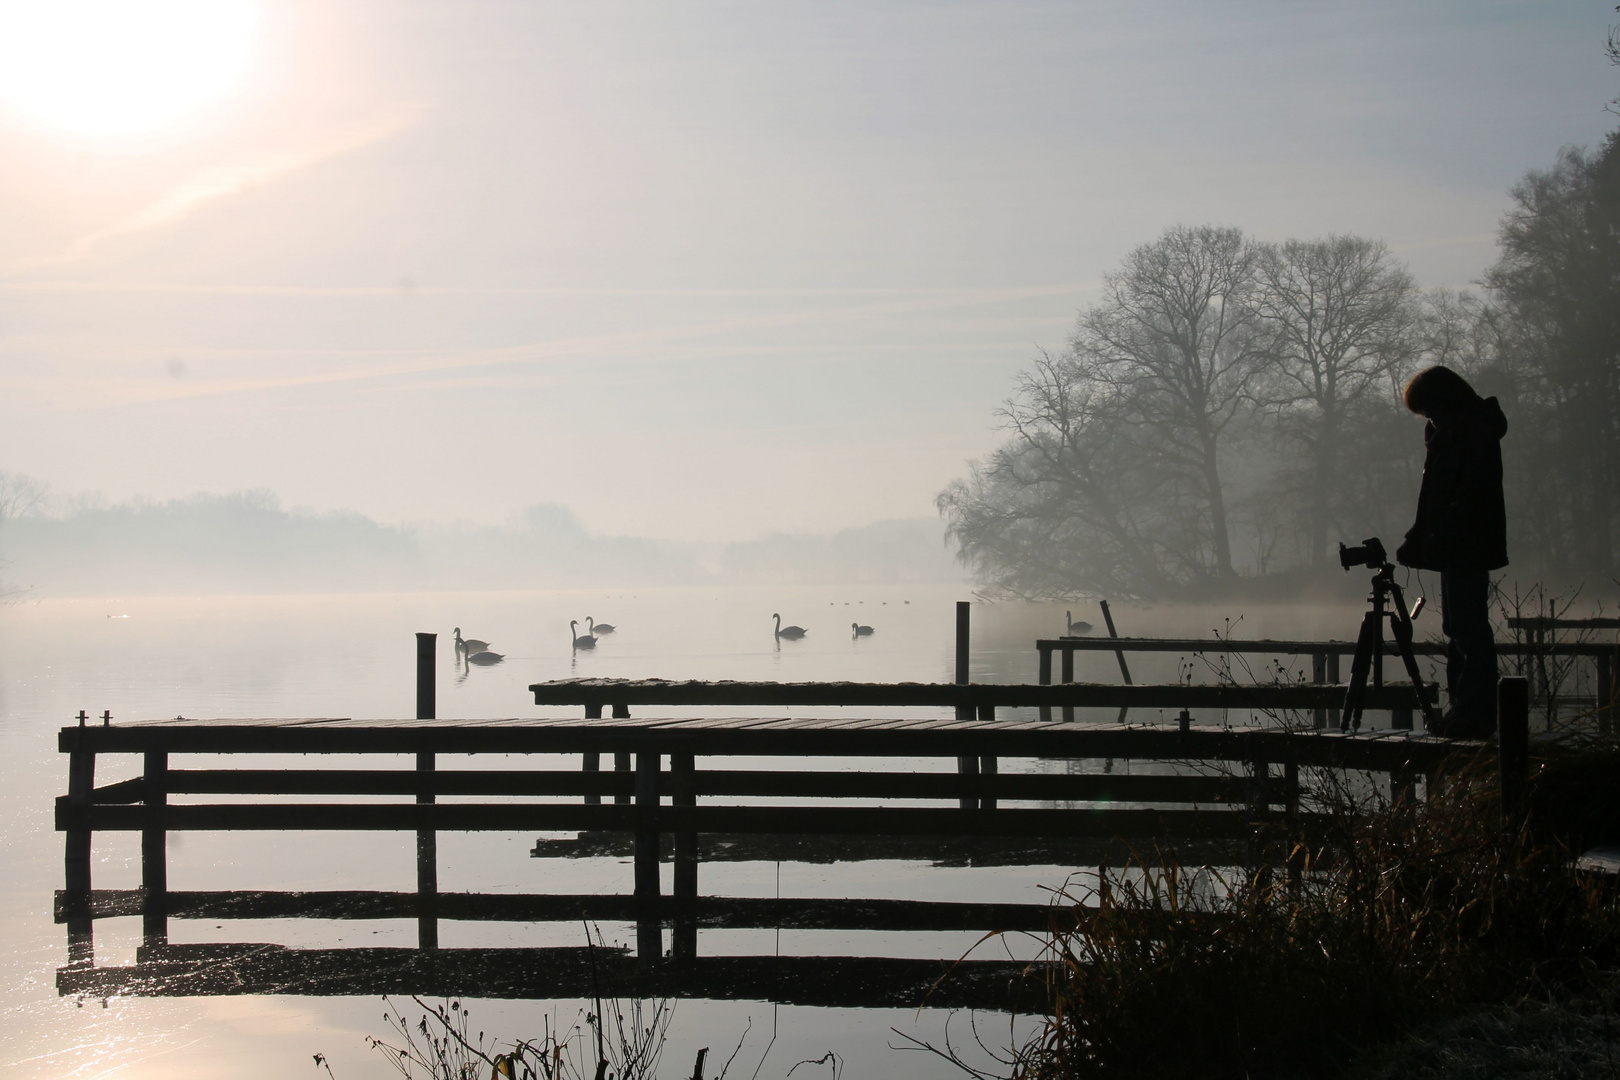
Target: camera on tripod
<point>1388,605</point>
<point>1370,554</point>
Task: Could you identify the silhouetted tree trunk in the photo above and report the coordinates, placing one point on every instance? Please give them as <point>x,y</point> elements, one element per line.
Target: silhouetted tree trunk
<point>1339,317</point>
<point>1174,337</point>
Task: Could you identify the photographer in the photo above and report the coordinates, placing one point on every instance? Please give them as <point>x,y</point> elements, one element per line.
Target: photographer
<point>1461,531</point>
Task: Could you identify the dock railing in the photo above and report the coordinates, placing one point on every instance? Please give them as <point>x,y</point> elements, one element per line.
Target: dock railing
<point>1326,655</point>
<point>681,778</point>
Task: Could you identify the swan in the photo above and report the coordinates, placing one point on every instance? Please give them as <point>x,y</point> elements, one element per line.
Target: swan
<point>861,631</point>
<point>593,628</point>
<point>792,633</point>
<point>586,642</point>
<point>485,658</point>
<point>1076,628</point>
<point>469,646</point>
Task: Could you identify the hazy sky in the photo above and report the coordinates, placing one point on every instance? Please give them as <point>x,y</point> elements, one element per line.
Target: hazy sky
<point>695,270</point>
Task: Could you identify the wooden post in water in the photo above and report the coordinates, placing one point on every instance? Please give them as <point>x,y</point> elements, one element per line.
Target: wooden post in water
<point>967,765</point>
<point>591,760</point>
<point>1046,678</point>
<point>427,839</point>
<point>621,758</point>
<point>1119,654</point>
<point>1513,745</point>
<point>1318,677</point>
<point>683,792</point>
<point>154,854</point>
<point>649,935</point>
<point>76,855</point>
<point>1333,679</point>
<point>1068,677</point>
<point>1606,667</point>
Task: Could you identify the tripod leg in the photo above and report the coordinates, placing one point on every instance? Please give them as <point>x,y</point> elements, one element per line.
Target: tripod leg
<point>1355,695</point>
<point>1402,626</point>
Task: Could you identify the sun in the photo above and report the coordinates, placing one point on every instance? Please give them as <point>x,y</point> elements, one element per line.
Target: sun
<point>118,68</point>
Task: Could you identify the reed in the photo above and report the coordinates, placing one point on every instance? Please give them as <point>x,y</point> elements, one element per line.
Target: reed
<point>1405,913</point>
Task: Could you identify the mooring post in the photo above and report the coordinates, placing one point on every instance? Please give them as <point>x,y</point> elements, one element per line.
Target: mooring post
<point>1513,744</point>
<point>427,839</point>
<point>1318,677</point>
<point>683,792</point>
<point>1068,677</point>
<point>76,857</point>
<point>1333,678</point>
<point>649,936</point>
<point>1046,675</point>
<point>591,760</point>
<point>154,853</point>
<point>1606,666</point>
<point>621,758</point>
<point>966,764</point>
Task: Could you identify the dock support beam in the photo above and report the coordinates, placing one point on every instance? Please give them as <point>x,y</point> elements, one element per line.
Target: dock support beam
<point>967,765</point>
<point>155,855</point>
<point>683,776</point>
<point>427,839</point>
<point>1046,678</point>
<point>1513,745</point>
<point>76,857</point>
<point>591,760</point>
<point>649,934</point>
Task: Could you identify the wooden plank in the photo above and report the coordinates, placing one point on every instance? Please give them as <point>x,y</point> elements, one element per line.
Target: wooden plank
<point>518,817</point>
<point>953,695</point>
<point>1000,738</point>
<point>549,974</point>
<point>731,913</point>
<point>1269,647</point>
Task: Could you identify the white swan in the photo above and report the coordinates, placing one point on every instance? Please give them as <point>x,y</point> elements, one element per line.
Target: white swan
<point>792,633</point>
<point>469,646</point>
<point>861,631</point>
<point>586,642</point>
<point>1075,628</point>
<point>593,628</point>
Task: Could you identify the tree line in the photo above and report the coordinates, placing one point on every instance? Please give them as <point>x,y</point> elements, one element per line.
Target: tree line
<point>1230,409</point>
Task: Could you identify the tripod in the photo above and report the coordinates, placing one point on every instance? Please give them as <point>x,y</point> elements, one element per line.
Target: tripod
<point>1370,650</point>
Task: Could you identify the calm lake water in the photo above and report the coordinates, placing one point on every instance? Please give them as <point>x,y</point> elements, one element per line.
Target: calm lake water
<point>354,655</point>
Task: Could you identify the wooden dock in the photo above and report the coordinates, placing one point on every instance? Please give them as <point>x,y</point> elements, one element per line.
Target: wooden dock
<point>674,779</point>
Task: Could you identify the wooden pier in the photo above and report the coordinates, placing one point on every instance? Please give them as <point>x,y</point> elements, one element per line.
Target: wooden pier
<point>674,779</point>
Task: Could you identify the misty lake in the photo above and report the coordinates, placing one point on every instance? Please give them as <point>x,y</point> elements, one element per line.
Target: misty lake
<point>353,655</point>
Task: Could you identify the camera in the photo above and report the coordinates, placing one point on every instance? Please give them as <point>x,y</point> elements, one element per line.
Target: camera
<point>1370,554</point>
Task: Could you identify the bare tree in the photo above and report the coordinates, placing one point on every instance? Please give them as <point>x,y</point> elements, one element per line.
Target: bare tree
<point>1340,322</point>
<point>19,496</point>
<point>1174,340</point>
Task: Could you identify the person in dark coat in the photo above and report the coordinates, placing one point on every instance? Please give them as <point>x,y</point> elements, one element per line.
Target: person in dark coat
<point>1461,531</point>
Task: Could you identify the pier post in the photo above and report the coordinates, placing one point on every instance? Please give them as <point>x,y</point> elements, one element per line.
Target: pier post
<point>621,758</point>
<point>427,839</point>
<point>154,853</point>
<point>683,792</point>
<point>1318,677</point>
<point>1606,667</point>
<point>1333,678</point>
<point>988,766</point>
<point>426,677</point>
<point>1068,677</point>
<point>966,764</point>
<point>1046,676</point>
<point>649,935</point>
<point>1513,744</point>
<point>76,856</point>
<point>591,760</point>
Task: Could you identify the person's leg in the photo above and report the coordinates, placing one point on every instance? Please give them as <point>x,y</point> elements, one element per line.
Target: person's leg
<point>1454,653</point>
<point>1471,647</point>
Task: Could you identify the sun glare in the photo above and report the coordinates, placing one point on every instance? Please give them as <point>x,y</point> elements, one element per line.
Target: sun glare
<point>111,68</point>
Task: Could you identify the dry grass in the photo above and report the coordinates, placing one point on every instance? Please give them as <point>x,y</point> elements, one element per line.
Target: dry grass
<point>1406,915</point>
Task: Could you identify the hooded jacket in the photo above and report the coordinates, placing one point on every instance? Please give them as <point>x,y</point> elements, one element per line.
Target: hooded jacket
<point>1461,518</point>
